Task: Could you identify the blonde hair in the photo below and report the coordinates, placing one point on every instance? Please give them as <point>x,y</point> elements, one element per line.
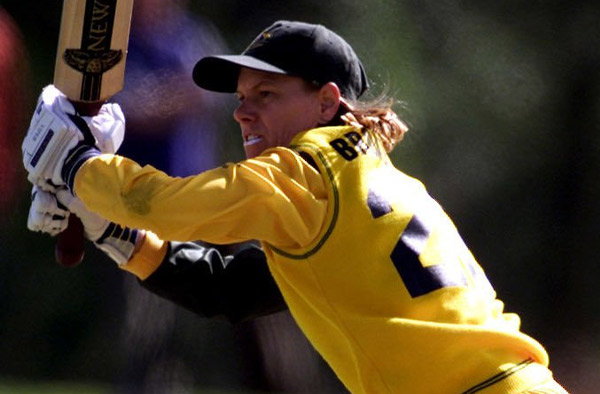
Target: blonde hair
<point>376,115</point>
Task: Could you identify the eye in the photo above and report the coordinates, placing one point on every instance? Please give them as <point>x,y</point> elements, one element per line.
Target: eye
<point>265,93</point>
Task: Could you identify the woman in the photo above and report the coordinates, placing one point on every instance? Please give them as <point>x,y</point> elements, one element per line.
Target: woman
<point>372,269</point>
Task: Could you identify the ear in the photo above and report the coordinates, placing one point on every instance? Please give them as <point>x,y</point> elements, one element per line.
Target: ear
<point>329,101</point>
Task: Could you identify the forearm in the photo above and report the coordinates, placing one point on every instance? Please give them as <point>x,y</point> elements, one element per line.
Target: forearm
<point>198,278</point>
<point>195,276</point>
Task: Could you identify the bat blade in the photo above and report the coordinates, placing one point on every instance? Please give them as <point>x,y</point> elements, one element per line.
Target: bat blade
<point>89,69</point>
<point>92,47</point>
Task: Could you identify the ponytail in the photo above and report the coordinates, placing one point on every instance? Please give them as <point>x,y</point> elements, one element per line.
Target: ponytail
<point>377,116</point>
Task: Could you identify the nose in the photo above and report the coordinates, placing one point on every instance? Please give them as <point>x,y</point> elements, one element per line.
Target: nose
<point>243,112</point>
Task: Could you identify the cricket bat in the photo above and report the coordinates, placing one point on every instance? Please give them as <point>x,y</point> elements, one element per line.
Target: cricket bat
<point>89,69</point>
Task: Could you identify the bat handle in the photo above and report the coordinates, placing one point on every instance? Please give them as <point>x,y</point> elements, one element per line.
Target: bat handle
<point>69,250</point>
<point>70,243</point>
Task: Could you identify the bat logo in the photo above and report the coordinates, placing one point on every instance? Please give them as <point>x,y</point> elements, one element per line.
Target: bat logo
<point>92,62</point>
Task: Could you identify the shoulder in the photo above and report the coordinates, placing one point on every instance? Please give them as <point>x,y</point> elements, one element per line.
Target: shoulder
<point>279,163</point>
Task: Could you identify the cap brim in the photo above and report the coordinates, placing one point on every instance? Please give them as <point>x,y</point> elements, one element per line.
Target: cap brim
<point>220,73</point>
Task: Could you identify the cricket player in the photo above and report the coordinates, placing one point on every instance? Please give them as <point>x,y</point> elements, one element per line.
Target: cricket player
<point>372,269</point>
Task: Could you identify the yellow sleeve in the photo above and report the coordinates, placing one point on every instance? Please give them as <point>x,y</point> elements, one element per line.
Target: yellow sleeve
<point>276,197</point>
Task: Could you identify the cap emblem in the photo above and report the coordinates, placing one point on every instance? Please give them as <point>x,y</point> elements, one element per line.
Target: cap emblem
<point>260,40</point>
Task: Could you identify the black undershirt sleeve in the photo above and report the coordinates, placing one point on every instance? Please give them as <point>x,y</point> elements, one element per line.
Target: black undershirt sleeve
<point>200,278</point>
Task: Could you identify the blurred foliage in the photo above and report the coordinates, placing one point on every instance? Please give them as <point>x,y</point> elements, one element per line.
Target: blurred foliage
<point>503,99</point>
<point>51,388</point>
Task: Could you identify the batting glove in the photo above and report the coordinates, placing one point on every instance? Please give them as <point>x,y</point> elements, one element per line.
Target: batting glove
<point>58,141</point>
<point>45,214</point>
<point>116,241</point>
<point>49,213</point>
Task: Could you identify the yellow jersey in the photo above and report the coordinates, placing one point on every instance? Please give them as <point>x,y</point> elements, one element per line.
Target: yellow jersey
<point>372,269</point>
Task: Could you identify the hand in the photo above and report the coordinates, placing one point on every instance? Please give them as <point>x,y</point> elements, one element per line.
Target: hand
<point>49,214</point>
<point>51,136</point>
<point>107,127</point>
<point>116,241</point>
<point>46,214</point>
<point>58,141</point>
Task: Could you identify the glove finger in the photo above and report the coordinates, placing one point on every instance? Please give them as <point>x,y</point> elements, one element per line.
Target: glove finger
<point>46,185</point>
<point>51,95</point>
<point>33,217</point>
<point>34,221</point>
<point>47,203</point>
<point>42,201</point>
<point>108,127</point>
<point>49,227</point>
<point>43,222</point>
<point>56,224</point>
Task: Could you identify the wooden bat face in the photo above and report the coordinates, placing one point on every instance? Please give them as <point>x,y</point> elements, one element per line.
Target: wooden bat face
<point>92,46</point>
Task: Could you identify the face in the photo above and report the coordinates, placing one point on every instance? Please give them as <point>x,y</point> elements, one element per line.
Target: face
<point>274,108</point>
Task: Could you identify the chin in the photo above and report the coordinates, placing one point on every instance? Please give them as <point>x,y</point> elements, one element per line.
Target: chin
<point>252,151</point>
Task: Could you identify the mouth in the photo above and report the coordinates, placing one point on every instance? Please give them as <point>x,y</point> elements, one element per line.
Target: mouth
<point>252,139</point>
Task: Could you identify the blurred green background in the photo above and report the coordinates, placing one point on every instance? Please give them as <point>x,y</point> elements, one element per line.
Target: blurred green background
<point>503,101</point>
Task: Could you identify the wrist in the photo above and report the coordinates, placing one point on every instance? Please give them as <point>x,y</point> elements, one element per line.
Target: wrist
<point>118,242</point>
<point>75,159</point>
<point>148,258</point>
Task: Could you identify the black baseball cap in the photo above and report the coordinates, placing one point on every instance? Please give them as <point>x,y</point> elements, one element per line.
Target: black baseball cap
<point>305,50</point>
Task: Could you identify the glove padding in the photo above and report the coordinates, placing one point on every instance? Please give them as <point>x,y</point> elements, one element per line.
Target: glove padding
<point>46,214</point>
<point>107,127</point>
<point>50,137</point>
<point>49,213</point>
<point>116,241</point>
<point>58,141</point>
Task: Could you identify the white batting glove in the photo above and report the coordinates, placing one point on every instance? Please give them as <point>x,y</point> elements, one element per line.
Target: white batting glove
<point>108,127</point>
<point>116,241</point>
<point>51,135</point>
<point>58,141</point>
<point>49,213</point>
<point>45,214</point>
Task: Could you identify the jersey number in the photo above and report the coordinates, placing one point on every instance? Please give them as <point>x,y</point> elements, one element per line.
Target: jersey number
<point>420,280</point>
